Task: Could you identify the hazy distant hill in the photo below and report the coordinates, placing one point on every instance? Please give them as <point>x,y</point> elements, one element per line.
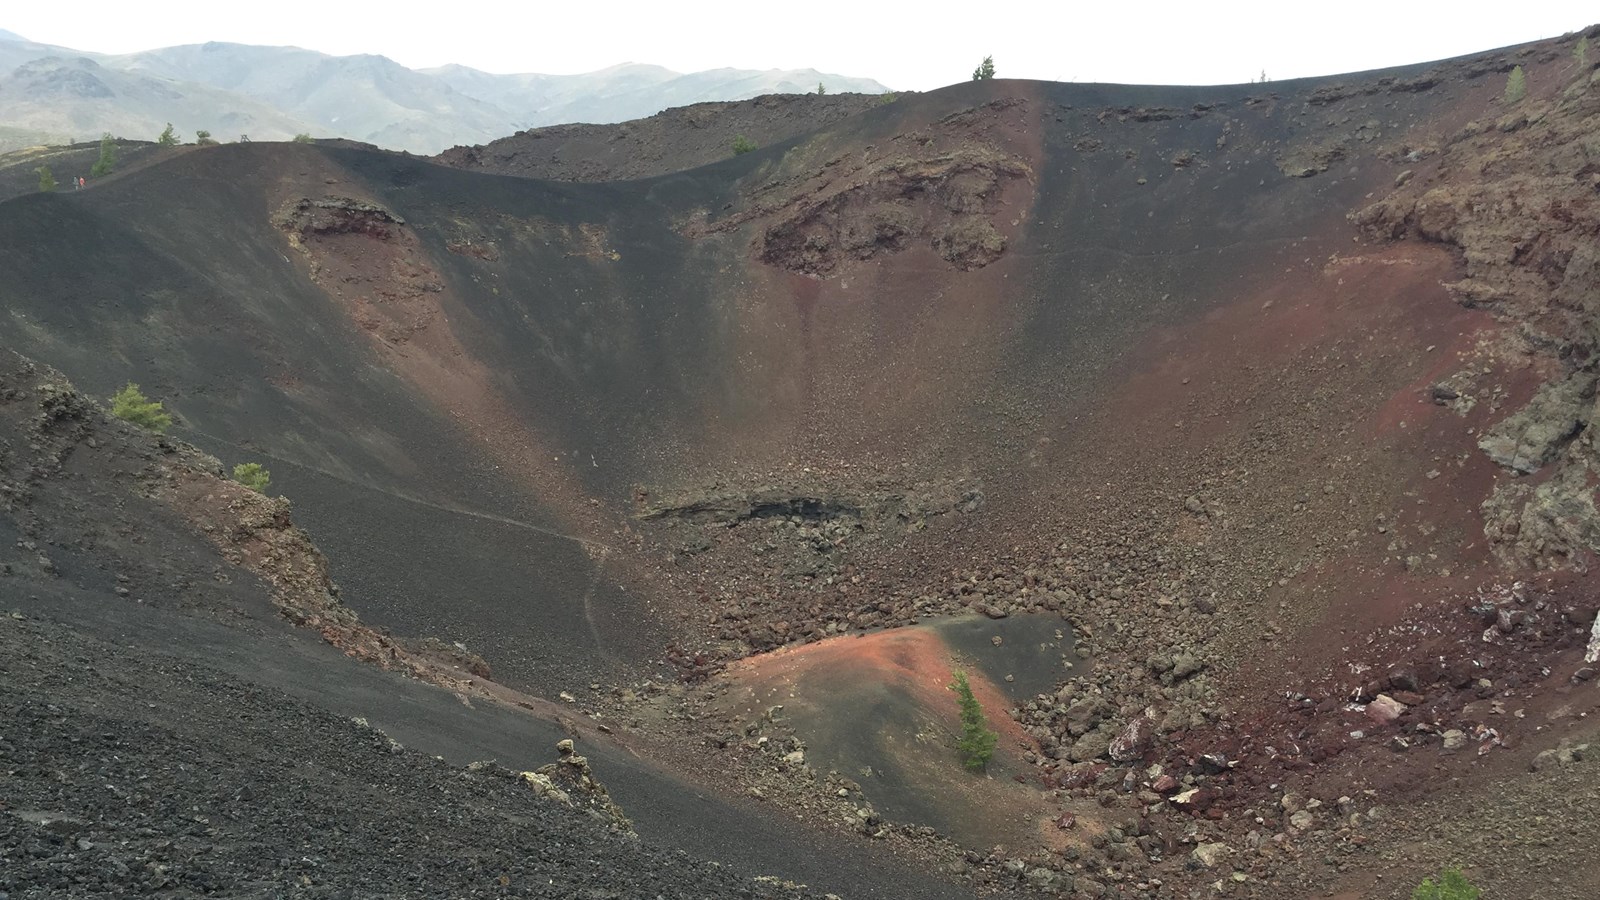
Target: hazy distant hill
<point>370,98</point>
<point>272,93</point>
<point>534,95</point>
<point>634,91</point>
<point>670,141</point>
<point>16,50</point>
<point>78,98</point>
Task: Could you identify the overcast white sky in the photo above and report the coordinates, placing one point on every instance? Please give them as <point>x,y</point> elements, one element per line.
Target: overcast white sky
<point>912,46</point>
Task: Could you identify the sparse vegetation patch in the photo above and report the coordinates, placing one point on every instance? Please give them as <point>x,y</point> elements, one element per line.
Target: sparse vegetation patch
<point>131,405</point>
<point>1450,885</point>
<point>252,476</point>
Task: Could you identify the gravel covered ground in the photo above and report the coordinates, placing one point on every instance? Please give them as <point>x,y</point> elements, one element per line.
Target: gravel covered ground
<point>126,772</point>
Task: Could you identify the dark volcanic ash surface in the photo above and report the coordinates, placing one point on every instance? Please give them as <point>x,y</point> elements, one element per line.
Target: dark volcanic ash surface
<point>146,775</point>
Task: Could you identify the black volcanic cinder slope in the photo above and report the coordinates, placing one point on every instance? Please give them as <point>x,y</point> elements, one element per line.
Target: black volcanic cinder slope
<point>136,653</point>
<point>225,785</point>
<point>222,342</point>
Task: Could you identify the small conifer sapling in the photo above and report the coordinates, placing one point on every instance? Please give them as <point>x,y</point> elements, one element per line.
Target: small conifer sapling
<point>108,157</point>
<point>977,742</point>
<point>252,476</point>
<point>131,405</point>
<point>1516,86</point>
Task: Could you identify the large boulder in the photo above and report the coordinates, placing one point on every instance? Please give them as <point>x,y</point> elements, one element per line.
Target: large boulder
<point>1531,437</point>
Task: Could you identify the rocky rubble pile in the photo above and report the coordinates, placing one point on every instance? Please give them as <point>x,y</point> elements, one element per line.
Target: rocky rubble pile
<point>571,778</point>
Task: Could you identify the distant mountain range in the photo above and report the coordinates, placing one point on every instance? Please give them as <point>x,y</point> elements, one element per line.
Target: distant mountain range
<point>54,94</point>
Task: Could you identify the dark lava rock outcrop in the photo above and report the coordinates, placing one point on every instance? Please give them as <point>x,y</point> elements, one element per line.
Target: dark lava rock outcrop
<point>944,200</point>
<point>1516,191</point>
<point>943,187</point>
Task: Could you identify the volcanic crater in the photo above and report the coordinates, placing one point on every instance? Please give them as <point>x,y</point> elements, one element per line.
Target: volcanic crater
<point>1233,441</point>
